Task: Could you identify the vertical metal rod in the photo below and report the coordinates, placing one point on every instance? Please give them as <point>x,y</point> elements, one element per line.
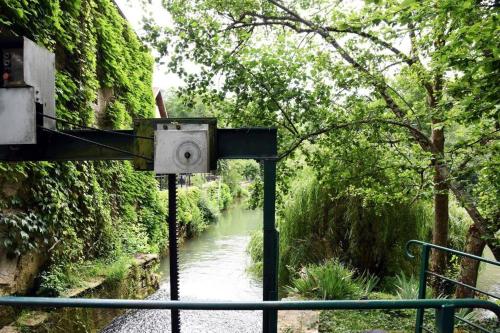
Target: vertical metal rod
<point>424,266</point>
<point>445,319</point>
<point>172,248</point>
<point>271,246</point>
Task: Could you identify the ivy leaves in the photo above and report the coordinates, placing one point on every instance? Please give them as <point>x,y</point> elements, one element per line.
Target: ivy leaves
<point>21,232</point>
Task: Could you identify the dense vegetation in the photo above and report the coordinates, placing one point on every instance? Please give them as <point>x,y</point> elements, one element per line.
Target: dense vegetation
<point>75,212</point>
<point>388,122</point>
<point>389,102</point>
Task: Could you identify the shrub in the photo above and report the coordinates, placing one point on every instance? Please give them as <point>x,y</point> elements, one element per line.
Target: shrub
<point>329,280</point>
<point>220,193</point>
<point>189,215</point>
<point>208,208</point>
<point>256,194</point>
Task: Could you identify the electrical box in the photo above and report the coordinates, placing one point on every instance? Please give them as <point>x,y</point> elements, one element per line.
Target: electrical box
<point>182,148</point>
<point>27,78</point>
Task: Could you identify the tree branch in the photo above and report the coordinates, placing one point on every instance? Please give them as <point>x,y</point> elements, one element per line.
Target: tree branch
<point>415,131</point>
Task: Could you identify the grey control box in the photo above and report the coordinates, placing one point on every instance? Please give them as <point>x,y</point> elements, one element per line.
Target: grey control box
<point>182,148</point>
<point>27,78</point>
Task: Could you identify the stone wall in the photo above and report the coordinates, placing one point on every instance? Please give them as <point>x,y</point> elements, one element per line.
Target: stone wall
<point>141,281</point>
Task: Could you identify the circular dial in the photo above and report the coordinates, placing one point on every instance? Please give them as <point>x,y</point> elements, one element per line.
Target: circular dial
<point>187,154</point>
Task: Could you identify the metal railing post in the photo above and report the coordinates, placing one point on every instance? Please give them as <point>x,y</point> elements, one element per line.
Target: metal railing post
<point>424,266</point>
<point>445,319</point>
<point>270,269</point>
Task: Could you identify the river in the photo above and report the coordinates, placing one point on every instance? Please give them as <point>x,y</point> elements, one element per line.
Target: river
<point>212,268</point>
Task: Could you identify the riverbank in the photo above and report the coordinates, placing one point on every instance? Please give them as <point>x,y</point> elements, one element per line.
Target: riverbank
<point>139,281</point>
<point>124,274</point>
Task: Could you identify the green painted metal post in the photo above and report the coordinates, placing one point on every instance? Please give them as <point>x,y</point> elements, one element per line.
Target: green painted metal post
<point>445,319</point>
<point>271,243</point>
<point>424,266</point>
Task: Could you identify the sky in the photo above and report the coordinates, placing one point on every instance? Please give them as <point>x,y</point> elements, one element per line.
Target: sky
<point>134,13</point>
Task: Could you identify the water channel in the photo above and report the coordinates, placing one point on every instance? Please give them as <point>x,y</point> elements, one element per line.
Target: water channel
<point>212,268</point>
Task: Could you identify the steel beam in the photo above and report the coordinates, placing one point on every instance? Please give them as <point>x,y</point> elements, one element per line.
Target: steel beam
<point>244,143</point>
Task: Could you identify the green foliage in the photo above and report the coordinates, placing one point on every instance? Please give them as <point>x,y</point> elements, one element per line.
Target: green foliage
<point>365,91</point>
<point>315,225</point>
<point>329,280</point>
<point>220,193</point>
<point>234,172</point>
<point>344,321</point>
<point>190,217</point>
<point>406,287</point>
<point>179,107</point>
<point>256,193</point>
<point>256,250</point>
<point>63,277</point>
<point>21,232</point>
<point>83,211</point>
<point>209,209</point>
<point>459,225</point>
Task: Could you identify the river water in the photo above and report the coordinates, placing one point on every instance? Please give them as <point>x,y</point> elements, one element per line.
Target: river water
<point>212,268</point>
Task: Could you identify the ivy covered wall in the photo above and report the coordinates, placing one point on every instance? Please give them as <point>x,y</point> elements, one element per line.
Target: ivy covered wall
<point>75,212</point>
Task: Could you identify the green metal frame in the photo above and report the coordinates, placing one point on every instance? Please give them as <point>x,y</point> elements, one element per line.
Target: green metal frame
<point>230,143</point>
<point>444,321</point>
<point>445,316</point>
<point>48,302</point>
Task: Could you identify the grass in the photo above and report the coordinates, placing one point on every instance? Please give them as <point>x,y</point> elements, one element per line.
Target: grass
<point>255,249</point>
<point>78,275</point>
<point>316,224</point>
<point>345,321</point>
<point>391,321</point>
<point>332,280</point>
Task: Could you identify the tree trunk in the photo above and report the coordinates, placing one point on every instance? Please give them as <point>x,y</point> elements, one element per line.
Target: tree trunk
<point>441,201</point>
<point>470,267</point>
<point>485,228</point>
<point>495,248</point>
<point>441,219</point>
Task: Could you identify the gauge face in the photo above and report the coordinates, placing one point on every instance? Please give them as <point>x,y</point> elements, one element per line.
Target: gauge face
<point>187,154</point>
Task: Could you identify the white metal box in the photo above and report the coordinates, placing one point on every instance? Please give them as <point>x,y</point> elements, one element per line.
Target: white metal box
<point>17,121</point>
<point>25,67</point>
<point>181,148</point>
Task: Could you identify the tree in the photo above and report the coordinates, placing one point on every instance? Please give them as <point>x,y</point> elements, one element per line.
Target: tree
<point>420,77</point>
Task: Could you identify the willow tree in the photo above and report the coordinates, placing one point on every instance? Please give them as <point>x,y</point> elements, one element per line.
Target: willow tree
<point>421,77</point>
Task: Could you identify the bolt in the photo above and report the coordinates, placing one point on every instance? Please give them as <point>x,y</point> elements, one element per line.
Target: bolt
<point>187,155</point>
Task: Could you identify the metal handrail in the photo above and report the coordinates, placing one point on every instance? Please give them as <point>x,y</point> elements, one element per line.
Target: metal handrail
<point>445,308</point>
<point>463,284</point>
<point>425,272</point>
<point>446,249</point>
<point>49,302</point>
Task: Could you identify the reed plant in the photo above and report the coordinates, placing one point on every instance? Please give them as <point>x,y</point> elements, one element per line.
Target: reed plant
<point>315,224</point>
